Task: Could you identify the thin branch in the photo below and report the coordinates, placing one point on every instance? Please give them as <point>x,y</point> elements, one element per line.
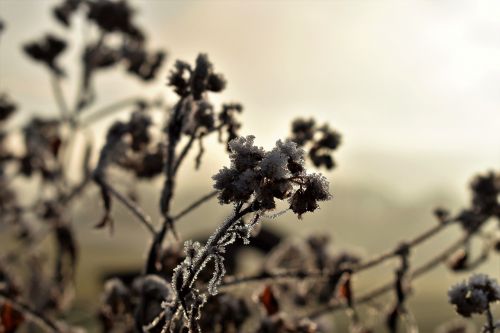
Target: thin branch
<point>194,205</point>
<point>412,243</point>
<point>59,96</point>
<point>109,110</point>
<point>489,327</point>
<point>34,316</point>
<point>231,281</point>
<point>76,190</point>
<point>420,271</point>
<point>184,151</point>
<point>134,208</point>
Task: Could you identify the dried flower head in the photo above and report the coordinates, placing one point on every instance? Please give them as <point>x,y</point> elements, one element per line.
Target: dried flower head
<point>321,140</point>
<point>266,176</point>
<point>65,10</point>
<point>474,295</point>
<point>197,81</point>
<point>46,51</point>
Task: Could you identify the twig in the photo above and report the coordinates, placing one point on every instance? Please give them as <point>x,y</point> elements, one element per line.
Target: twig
<point>36,317</point>
<point>76,190</point>
<point>412,243</point>
<point>134,208</point>
<point>184,151</point>
<point>194,205</point>
<point>368,297</point>
<point>489,327</point>
<point>109,110</point>
<point>299,275</point>
<point>59,96</point>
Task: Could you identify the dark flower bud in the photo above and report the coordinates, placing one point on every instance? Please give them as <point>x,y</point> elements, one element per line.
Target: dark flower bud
<point>441,214</point>
<point>110,15</point>
<point>306,198</point>
<point>322,141</point>
<point>63,11</point>
<point>7,107</point>
<point>303,130</point>
<point>320,160</point>
<point>46,51</point>
<point>216,83</point>
<point>330,138</point>
<point>486,193</point>
<point>179,78</point>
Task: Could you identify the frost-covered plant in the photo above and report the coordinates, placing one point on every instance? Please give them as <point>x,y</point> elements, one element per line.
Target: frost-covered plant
<point>265,176</point>
<point>189,288</point>
<point>255,179</point>
<point>475,296</point>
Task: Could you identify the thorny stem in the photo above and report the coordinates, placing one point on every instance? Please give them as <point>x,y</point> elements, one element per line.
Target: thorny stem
<point>34,316</point>
<point>134,208</point>
<point>194,205</point>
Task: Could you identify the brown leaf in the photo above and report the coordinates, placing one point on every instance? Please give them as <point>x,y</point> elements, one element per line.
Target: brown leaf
<point>269,301</point>
<point>11,319</point>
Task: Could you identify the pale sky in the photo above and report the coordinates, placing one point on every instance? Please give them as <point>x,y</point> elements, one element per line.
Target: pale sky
<point>413,86</point>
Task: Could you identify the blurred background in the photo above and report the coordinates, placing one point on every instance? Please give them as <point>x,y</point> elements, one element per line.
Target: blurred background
<point>411,86</point>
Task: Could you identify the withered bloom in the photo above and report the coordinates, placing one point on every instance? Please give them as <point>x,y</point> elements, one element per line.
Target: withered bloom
<point>46,51</point>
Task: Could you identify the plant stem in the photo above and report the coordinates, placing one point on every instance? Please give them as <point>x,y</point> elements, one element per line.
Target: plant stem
<point>184,151</point>
<point>59,97</point>
<point>109,110</point>
<point>490,324</point>
<point>427,234</point>
<point>420,271</point>
<point>134,208</point>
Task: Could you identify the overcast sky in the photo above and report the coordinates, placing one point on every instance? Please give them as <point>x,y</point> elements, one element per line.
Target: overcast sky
<point>413,86</point>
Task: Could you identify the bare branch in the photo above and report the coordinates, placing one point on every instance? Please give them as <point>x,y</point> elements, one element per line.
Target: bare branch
<point>110,109</point>
<point>59,96</point>
<point>134,208</point>
<point>194,205</point>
